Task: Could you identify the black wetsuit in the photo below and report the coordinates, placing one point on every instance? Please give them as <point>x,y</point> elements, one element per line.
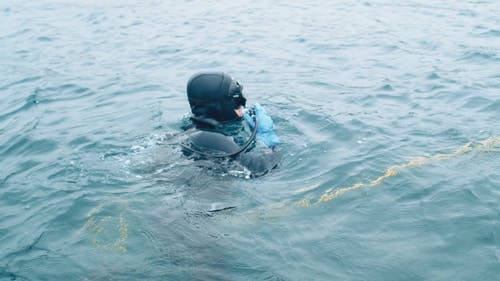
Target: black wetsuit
<point>205,140</point>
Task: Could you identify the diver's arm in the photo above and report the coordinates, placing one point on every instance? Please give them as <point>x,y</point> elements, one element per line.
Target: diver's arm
<point>259,163</point>
<point>207,142</point>
<point>265,126</point>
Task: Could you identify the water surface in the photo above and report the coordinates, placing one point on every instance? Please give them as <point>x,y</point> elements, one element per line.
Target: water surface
<point>388,113</point>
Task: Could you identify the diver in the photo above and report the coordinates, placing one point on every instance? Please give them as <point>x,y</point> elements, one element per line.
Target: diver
<point>218,115</point>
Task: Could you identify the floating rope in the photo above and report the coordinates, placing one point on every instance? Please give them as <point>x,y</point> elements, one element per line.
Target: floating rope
<point>101,228</point>
<point>487,145</point>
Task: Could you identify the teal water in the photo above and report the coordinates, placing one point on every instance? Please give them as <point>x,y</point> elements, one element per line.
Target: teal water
<point>388,112</point>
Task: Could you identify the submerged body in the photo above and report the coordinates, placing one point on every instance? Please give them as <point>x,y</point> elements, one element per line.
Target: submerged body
<point>212,145</point>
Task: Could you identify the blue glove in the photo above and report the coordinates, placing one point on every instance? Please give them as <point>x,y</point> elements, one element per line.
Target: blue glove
<point>265,130</point>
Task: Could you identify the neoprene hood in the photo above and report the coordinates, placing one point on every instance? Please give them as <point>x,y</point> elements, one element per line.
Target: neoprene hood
<point>214,95</point>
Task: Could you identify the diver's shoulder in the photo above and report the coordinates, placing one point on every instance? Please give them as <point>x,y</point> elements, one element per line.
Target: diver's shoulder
<point>213,141</point>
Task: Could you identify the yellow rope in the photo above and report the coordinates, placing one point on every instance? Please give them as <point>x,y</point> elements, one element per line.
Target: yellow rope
<point>100,228</point>
<point>488,145</point>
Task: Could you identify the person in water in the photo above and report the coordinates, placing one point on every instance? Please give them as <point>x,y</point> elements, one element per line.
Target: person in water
<point>218,107</point>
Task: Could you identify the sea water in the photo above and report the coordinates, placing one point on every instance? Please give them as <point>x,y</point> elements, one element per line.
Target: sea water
<point>388,113</point>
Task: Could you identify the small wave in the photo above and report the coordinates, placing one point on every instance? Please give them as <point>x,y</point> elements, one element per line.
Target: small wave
<point>17,33</point>
<point>480,56</point>
<point>146,88</point>
<point>79,141</point>
<point>490,33</point>
<point>29,102</point>
<point>26,146</point>
<point>22,81</point>
<point>44,39</point>
<point>493,107</point>
<point>21,168</point>
<point>433,76</point>
<point>322,84</point>
<point>61,93</point>
<point>475,102</point>
<point>166,50</point>
<point>386,87</point>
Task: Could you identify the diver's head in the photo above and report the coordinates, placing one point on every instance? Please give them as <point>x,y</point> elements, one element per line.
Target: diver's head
<point>215,95</point>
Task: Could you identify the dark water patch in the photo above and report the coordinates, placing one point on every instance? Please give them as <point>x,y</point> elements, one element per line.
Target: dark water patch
<point>208,64</point>
<point>300,40</point>
<point>67,174</point>
<point>166,50</point>
<point>146,88</point>
<point>386,87</point>
<point>20,168</point>
<point>110,154</point>
<point>44,39</point>
<point>440,96</point>
<point>454,134</point>
<point>341,132</point>
<point>475,102</point>
<point>62,93</point>
<point>468,13</point>
<point>383,65</point>
<point>100,146</point>
<point>26,146</point>
<point>325,47</point>
<point>17,33</point>
<point>480,27</point>
<point>7,275</point>
<point>135,23</point>
<point>492,107</point>
<point>433,76</point>
<point>480,56</point>
<point>96,18</point>
<point>322,84</point>
<point>59,120</point>
<point>390,48</point>
<point>343,174</point>
<point>435,87</point>
<point>31,249</point>
<point>426,193</point>
<point>319,128</point>
<point>475,86</point>
<point>112,83</point>
<point>101,183</point>
<point>104,104</point>
<point>24,53</point>
<point>385,97</point>
<point>30,102</point>
<point>22,81</point>
<point>488,33</point>
<point>17,144</point>
<point>78,141</point>
<point>429,45</point>
<point>428,88</point>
